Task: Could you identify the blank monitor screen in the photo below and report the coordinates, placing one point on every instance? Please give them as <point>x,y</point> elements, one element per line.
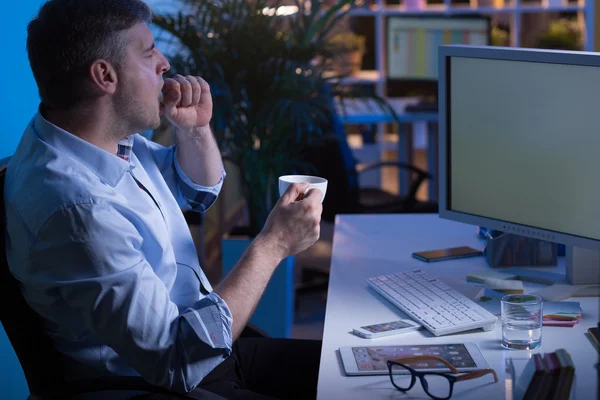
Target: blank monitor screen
<point>413,42</point>
<point>524,143</point>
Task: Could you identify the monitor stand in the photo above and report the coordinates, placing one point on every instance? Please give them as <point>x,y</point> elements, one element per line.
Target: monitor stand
<point>583,268</point>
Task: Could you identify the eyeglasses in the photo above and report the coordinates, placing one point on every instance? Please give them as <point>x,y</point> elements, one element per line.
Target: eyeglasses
<point>438,385</point>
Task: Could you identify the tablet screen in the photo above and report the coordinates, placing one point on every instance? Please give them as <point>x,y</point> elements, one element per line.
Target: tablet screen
<point>373,358</point>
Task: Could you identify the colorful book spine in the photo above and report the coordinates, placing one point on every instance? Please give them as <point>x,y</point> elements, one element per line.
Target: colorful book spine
<point>544,377</point>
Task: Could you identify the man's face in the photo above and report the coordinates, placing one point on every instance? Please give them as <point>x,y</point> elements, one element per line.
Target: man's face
<point>140,81</point>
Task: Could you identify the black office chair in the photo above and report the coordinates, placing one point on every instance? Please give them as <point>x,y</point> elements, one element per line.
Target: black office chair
<point>332,159</point>
<point>41,361</point>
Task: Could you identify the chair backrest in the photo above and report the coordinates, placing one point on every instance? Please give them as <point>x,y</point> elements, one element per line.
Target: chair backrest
<point>332,162</point>
<point>23,326</point>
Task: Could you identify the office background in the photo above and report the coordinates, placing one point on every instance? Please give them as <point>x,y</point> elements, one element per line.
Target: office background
<point>18,103</point>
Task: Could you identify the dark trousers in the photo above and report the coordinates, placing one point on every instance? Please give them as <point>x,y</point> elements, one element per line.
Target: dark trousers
<point>260,369</point>
<point>267,368</point>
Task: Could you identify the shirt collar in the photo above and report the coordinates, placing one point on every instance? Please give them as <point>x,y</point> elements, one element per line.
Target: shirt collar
<point>108,167</point>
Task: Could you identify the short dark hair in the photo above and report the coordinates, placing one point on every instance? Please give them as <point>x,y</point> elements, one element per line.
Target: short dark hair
<point>68,35</point>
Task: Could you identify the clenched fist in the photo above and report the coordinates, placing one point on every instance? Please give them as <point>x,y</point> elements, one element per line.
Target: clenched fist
<point>187,102</point>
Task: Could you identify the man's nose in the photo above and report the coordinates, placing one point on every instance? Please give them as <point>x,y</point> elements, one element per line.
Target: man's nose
<point>164,64</point>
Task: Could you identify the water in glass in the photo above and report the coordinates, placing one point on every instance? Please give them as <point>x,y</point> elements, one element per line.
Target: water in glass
<point>521,322</point>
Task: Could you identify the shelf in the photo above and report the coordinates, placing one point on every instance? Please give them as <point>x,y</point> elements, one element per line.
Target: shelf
<point>365,12</point>
<point>365,76</point>
<point>443,10</point>
<point>367,111</point>
<point>390,143</point>
<point>539,8</point>
<point>462,10</point>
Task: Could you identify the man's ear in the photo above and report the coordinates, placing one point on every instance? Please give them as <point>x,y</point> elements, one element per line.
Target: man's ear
<point>103,76</point>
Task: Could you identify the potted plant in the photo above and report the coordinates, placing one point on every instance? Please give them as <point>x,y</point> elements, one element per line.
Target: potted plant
<point>499,36</point>
<point>270,100</point>
<point>349,49</point>
<point>562,34</point>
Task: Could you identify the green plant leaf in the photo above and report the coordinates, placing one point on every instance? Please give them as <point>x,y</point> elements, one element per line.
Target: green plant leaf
<point>270,96</point>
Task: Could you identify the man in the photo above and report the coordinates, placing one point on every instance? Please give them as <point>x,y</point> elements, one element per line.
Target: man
<point>99,241</point>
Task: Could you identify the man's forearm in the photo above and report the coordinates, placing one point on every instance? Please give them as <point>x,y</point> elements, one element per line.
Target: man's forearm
<point>243,287</point>
<point>199,156</point>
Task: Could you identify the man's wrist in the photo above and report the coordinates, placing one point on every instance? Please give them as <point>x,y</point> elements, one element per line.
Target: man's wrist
<point>201,132</point>
<point>268,245</point>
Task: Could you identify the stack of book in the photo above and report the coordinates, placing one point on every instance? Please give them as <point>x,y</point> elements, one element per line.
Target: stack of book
<point>545,377</point>
<point>569,315</point>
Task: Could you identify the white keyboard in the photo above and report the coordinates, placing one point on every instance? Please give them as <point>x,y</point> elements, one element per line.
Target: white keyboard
<point>432,303</point>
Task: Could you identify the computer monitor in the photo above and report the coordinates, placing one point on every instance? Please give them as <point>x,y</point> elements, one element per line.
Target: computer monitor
<point>412,49</point>
<point>519,146</point>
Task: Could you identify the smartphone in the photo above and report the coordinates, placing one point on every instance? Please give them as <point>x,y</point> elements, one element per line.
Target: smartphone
<point>447,254</point>
<point>387,329</point>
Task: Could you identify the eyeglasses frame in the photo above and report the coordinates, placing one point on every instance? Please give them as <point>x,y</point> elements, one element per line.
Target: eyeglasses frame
<point>457,377</point>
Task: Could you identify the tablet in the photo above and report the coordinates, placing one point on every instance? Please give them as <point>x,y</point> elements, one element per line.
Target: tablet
<point>371,360</point>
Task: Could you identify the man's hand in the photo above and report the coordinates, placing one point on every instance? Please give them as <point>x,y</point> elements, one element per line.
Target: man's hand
<point>292,227</point>
<point>187,102</point>
<point>294,223</point>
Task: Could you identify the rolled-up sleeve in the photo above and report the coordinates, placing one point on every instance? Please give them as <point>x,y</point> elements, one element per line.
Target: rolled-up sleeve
<point>199,197</point>
<point>189,195</point>
<point>91,255</point>
<point>208,317</point>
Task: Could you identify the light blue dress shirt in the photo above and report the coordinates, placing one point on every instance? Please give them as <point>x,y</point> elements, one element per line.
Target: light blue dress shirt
<point>106,257</point>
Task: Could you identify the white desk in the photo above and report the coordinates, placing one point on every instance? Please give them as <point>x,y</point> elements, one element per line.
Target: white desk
<point>372,245</point>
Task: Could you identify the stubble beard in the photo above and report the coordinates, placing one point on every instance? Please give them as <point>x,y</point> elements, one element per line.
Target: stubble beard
<point>136,115</point>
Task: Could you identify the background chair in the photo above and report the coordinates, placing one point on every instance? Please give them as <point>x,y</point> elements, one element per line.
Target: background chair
<point>332,159</point>
<point>41,362</point>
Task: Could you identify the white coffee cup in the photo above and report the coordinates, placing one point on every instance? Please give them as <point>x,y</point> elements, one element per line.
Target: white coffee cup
<point>314,182</point>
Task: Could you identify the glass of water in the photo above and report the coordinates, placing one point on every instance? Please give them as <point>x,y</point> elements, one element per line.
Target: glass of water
<point>521,321</point>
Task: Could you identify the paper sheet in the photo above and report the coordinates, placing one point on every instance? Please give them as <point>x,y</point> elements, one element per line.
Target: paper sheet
<point>556,290</point>
<point>562,291</point>
<point>470,291</point>
<point>562,307</point>
<point>482,276</point>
